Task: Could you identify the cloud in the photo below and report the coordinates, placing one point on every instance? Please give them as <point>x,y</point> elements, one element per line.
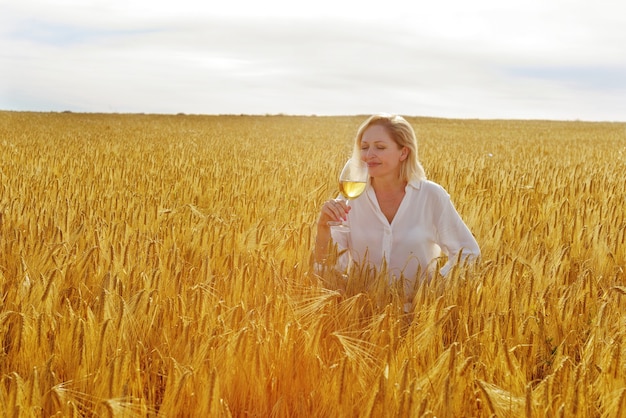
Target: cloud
<point>453,59</point>
<point>63,35</point>
<point>591,78</point>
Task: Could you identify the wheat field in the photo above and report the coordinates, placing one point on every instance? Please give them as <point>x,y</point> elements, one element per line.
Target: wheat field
<point>155,265</point>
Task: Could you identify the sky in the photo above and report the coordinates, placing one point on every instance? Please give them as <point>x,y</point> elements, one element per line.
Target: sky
<point>486,59</point>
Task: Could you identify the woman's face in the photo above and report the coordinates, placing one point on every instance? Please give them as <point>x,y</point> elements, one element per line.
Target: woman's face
<point>381,153</point>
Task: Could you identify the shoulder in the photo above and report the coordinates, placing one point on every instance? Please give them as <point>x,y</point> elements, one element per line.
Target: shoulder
<point>429,187</point>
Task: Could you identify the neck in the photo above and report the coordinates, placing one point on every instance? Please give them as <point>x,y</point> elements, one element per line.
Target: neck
<point>388,185</point>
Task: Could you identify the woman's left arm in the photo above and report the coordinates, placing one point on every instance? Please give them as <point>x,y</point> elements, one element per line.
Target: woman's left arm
<point>455,238</point>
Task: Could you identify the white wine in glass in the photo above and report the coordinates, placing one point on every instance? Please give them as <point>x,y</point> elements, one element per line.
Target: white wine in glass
<point>352,181</point>
<point>352,189</point>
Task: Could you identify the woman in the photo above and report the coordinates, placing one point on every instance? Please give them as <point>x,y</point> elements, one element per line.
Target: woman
<point>402,222</point>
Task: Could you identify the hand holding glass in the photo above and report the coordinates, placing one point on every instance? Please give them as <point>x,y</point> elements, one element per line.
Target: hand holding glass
<point>352,181</point>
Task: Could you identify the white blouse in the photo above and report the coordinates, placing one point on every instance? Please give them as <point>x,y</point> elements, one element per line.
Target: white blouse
<point>425,226</point>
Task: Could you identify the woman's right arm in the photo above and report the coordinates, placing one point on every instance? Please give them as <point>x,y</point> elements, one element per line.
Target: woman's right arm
<point>332,210</point>
<point>321,243</point>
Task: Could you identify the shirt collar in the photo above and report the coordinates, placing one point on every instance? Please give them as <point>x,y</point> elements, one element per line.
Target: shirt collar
<point>416,184</point>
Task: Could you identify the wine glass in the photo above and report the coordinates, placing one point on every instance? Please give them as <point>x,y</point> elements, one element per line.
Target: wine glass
<point>352,182</point>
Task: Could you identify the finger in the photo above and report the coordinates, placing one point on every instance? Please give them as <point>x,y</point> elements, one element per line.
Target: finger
<point>338,209</point>
<point>329,210</point>
<point>343,205</point>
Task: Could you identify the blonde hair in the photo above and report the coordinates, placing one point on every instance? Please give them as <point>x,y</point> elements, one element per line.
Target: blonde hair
<point>403,135</point>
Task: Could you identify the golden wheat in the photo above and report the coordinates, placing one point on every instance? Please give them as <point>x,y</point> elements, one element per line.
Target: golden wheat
<point>160,266</point>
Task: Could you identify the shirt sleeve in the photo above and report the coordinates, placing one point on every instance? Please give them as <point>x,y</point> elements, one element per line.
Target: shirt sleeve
<point>455,239</point>
<point>340,237</point>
